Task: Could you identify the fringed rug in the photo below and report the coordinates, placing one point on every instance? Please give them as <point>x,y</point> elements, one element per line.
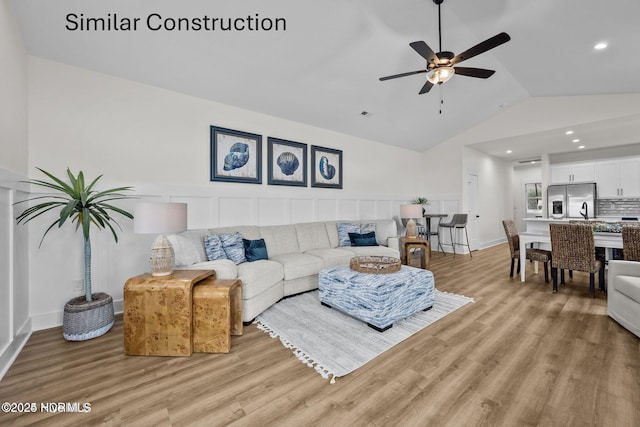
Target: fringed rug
<point>336,344</point>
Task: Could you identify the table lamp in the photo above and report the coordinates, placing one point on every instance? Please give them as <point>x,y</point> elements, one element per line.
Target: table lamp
<point>411,212</point>
<point>160,218</point>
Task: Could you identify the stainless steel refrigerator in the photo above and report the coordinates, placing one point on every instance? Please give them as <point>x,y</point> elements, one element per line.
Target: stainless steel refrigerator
<point>568,201</point>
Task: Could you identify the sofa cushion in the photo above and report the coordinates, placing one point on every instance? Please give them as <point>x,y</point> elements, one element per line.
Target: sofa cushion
<point>225,268</point>
<point>249,232</point>
<point>258,276</point>
<point>196,237</point>
<point>280,239</point>
<point>213,247</point>
<point>233,247</point>
<point>384,230</point>
<point>344,228</point>
<point>187,251</point>
<point>363,239</point>
<point>255,250</point>
<point>629,286</point>
<point>312,236</point>
<point>374,250</point>
<point>332,256</point>
<point>298,265</point>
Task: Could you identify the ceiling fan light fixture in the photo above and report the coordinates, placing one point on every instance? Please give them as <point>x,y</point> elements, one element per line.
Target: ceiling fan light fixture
<point>440,75</point>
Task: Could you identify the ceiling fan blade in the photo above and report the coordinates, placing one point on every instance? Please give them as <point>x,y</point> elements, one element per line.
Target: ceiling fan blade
<point>482,47</point>
<point>480,73</point>
<point>395,76</point>
<point>425,51</point>
<point>426,88</point>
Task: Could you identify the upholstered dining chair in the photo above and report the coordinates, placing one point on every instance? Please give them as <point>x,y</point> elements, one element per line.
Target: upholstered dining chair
<point>631,243</point>
<point>572,248</point>
<point>532,254</point>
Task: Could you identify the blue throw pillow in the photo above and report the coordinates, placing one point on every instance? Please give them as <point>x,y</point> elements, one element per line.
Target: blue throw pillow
<point>344,228</point>
<point>366,239</point>
<point>255,249</point>
<point>233,247</point>
<point>213,248</point>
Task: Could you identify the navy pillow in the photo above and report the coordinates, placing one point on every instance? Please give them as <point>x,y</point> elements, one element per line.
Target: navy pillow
<point>255,249</point>
<point>366,239</point>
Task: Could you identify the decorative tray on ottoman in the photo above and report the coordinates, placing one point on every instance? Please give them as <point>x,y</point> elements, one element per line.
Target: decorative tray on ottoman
<point>375,264</point>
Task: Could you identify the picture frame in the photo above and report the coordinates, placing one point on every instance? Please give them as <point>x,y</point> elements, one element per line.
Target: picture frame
<point>235,156</point>
<point>287,162</point>
<point>326,167</point>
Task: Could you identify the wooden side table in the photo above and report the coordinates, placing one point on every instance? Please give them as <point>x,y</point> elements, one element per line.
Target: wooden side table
<point>217,314</point>
<point>158,313</point>
<point>408,243</point>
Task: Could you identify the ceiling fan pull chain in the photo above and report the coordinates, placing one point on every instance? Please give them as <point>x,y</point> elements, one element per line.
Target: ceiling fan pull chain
<point>441,98</point>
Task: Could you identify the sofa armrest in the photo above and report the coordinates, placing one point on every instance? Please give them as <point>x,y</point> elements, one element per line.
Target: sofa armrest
<point>225,269</point>
<point>622,268</point>
<point>393,243</point>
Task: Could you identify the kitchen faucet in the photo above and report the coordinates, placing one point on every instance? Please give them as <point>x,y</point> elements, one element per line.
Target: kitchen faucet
<point>585,215</point>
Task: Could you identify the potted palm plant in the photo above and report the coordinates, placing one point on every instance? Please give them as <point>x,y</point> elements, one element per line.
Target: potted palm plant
<point>90,315</point>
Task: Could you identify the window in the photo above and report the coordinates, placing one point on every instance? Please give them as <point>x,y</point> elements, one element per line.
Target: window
<point>533,195</point>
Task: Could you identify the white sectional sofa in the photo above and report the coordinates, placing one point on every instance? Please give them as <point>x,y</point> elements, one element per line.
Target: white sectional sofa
<point>296,254</point>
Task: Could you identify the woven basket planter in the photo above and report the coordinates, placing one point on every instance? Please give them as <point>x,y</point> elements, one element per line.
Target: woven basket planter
<point>85,320</point>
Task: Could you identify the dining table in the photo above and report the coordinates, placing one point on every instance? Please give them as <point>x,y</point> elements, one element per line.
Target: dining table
<point>606,240</point>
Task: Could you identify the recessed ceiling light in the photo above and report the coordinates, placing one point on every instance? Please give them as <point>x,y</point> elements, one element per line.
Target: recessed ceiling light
<point>600,46</point>
<point>533,162</point>
<point>509,151</point>
<point>580,147</point>
<point>576,140</point>
<point>569,132</point>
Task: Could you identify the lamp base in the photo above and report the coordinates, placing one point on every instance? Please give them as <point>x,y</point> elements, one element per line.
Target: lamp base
<point>412,230</point>
<point>162,257</point>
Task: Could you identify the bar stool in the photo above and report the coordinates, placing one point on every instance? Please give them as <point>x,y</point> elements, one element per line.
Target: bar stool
<point>457,221</point>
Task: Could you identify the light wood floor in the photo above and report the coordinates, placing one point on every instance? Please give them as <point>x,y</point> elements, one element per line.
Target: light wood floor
<point>519,355</point>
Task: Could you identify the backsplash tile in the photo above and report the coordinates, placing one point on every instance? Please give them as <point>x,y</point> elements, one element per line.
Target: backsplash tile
<point>618,207</point>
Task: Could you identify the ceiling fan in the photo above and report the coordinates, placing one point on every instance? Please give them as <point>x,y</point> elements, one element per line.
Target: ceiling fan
<point>440,66</point>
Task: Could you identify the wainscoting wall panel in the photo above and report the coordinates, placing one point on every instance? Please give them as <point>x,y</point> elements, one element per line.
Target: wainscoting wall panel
<point>56,268</point>
<point>303,210</point>
<point>15,323</point>
<point>274,211</point>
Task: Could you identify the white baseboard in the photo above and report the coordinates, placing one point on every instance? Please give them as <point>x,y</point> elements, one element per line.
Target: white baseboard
<point>10,354</point>
<point>54,318</point>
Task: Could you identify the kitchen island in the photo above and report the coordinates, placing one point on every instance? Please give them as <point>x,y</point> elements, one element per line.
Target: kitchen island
<point>537,232</point>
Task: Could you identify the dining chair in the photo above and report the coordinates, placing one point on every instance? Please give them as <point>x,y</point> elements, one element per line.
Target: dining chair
<point>458,221</point>
<point>631,242</point>
<point>532,254</point>
<point>572,248</point>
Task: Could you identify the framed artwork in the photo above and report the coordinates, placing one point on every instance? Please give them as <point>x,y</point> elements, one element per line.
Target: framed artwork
<point>326,166</point>
<point>235,156</point>
<point>287,162</point>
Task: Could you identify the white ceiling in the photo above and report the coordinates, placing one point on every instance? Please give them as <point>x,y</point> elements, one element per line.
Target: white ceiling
<point>324,69</point>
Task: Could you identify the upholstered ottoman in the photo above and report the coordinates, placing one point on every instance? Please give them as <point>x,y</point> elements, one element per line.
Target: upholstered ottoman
<point>378,299</point>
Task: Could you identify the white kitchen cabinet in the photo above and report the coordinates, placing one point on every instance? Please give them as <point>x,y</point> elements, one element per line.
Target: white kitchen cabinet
<point>618,179</point>
<point>577,172</point>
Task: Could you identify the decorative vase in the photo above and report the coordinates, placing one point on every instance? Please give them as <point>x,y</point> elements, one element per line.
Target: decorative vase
<point>84,320</point>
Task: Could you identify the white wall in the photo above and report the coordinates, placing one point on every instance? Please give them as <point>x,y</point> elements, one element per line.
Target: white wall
<point>13,90</point>
<point>15,326</point>
<point>158,141</point>
<point>494,194</point>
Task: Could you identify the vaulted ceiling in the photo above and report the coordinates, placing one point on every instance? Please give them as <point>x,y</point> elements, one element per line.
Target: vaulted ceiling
<point>324,69</point>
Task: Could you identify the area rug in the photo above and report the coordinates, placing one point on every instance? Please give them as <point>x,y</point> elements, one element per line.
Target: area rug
<point>336,344</point>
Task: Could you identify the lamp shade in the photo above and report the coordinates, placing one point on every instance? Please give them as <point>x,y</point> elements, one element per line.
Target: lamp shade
<point>411,211</point>
<point>159,217</point>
